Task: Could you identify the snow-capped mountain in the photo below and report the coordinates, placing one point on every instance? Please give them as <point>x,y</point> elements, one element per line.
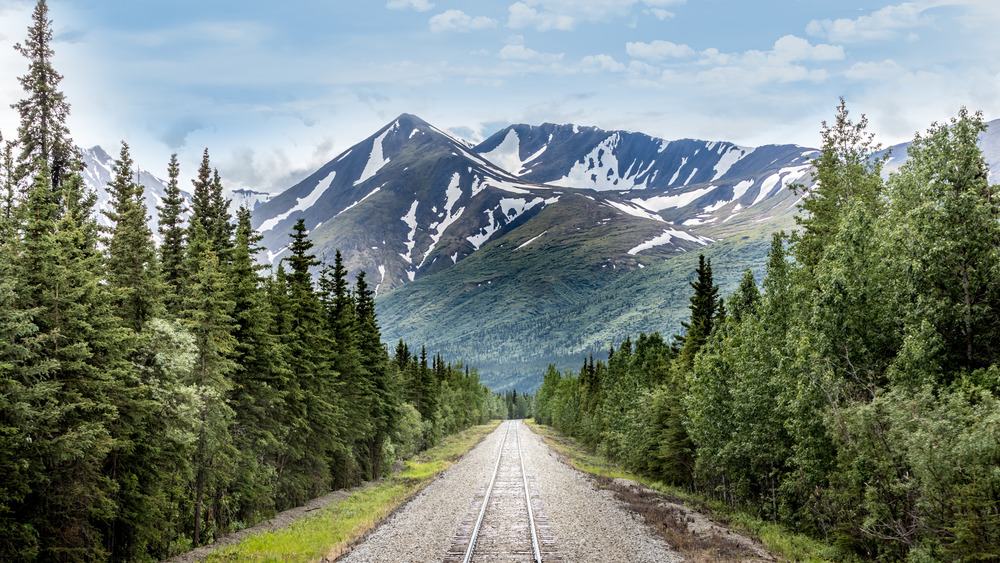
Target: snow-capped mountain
<point>688,182</point>
<point>411,200</point>
<point>98,172</point>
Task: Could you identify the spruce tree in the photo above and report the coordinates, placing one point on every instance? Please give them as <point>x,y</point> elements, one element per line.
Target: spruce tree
<point>68,367</point>
<point>705,308</point>
<point>221,230</point>
<point>259,380</point>
<point>132,270</point>
<point>383,386</point>
<point>172,230</point>
<point>43,135</point>
<point>206,314</point>
<point>309,349</point>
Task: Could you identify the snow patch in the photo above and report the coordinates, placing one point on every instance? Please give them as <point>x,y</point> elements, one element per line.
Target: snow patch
<point>507,154</point>
<point>678,173</point>
<point>600,169</point>
<point>375,160</point>
<point>740,189</point>
<point>301,204</point>
<point>411,221</point>
<point>634,211</point>
<point>381,270</point>
<point>349,207</point>
<point>782,179</point>
<point>693,172</point>
<point>659,203</point>
<point>531,240</point>
<point>667,236</point>
<point>729,158</point>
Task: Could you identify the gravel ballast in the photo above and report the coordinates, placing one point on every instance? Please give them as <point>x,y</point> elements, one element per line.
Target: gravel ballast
<point>587,524</point>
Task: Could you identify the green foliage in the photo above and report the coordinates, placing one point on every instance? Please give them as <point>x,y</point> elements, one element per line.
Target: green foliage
<point>143,415</point>
<point>172,230</point>
<point>853,397</point>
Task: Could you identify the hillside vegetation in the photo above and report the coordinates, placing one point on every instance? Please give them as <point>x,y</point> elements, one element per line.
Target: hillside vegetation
<point>853,394</point>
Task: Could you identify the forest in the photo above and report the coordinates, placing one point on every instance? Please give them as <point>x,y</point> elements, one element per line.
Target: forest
<point>155,397</point>
<point>853,394</point>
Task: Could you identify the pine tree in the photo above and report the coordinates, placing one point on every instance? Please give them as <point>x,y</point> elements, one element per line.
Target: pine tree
<point>206,314</point>
<point>309,349</point>
<point>132,270</point>
<point>705,309</point>
<point>172,230</point>
<point>259,380</point>
<point>43,135</point>
<point>68,368</point>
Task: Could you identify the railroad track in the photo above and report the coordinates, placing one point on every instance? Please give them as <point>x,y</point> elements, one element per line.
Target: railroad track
<point>505,522</point>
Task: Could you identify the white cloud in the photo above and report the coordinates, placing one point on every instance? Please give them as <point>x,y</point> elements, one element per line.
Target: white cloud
<point>523,15</point>
<point>880,25</point>
<point>596,63</point>
<point>792,48</point>
<point>516,51</point>
<point>658,50</point>
<point>457,20</point>
<point>564,15</point>
<point>418,5</point>
<point>784,63</point>
<point>661,14</point>
<point>874,71</point>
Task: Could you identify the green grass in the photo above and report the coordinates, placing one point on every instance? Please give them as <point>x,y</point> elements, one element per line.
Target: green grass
<point>786,545</point>
<point>334,529</point>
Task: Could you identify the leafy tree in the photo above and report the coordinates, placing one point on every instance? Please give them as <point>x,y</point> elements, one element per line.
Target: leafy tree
<point>945,236</point>
<point>848,168</point>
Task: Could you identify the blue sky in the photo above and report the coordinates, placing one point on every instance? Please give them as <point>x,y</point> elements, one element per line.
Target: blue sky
<point>276,89</point>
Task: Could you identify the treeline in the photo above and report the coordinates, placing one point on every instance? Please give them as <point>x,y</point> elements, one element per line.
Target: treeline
<point>854,395</point>
<point>151,398</point>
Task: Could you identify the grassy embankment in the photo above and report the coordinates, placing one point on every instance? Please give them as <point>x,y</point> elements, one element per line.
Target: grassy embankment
<point>334,529</point>
<point>787,546</point>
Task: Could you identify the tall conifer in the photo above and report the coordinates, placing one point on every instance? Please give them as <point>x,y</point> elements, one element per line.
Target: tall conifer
<point>43,134</point>
<point>172,230</point>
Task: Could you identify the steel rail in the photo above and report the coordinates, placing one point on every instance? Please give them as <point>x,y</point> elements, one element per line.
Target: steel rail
<point>527,498</point>
<point>536,552</point>
<point>486,500</point>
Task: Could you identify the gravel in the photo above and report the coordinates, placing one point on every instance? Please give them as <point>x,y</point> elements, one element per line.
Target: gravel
<point>586,524</point>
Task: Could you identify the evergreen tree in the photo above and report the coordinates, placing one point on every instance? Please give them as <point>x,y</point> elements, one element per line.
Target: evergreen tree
<point>309,348</point>
<point>705,309</point>
<point>43,135</point>
<point>383,386</point>
<point>172,230</point>
<point>132,270</point>
<point>259,381</point>
<point>220,223</point>
<point>66,372</point>
<point>206,314</point>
